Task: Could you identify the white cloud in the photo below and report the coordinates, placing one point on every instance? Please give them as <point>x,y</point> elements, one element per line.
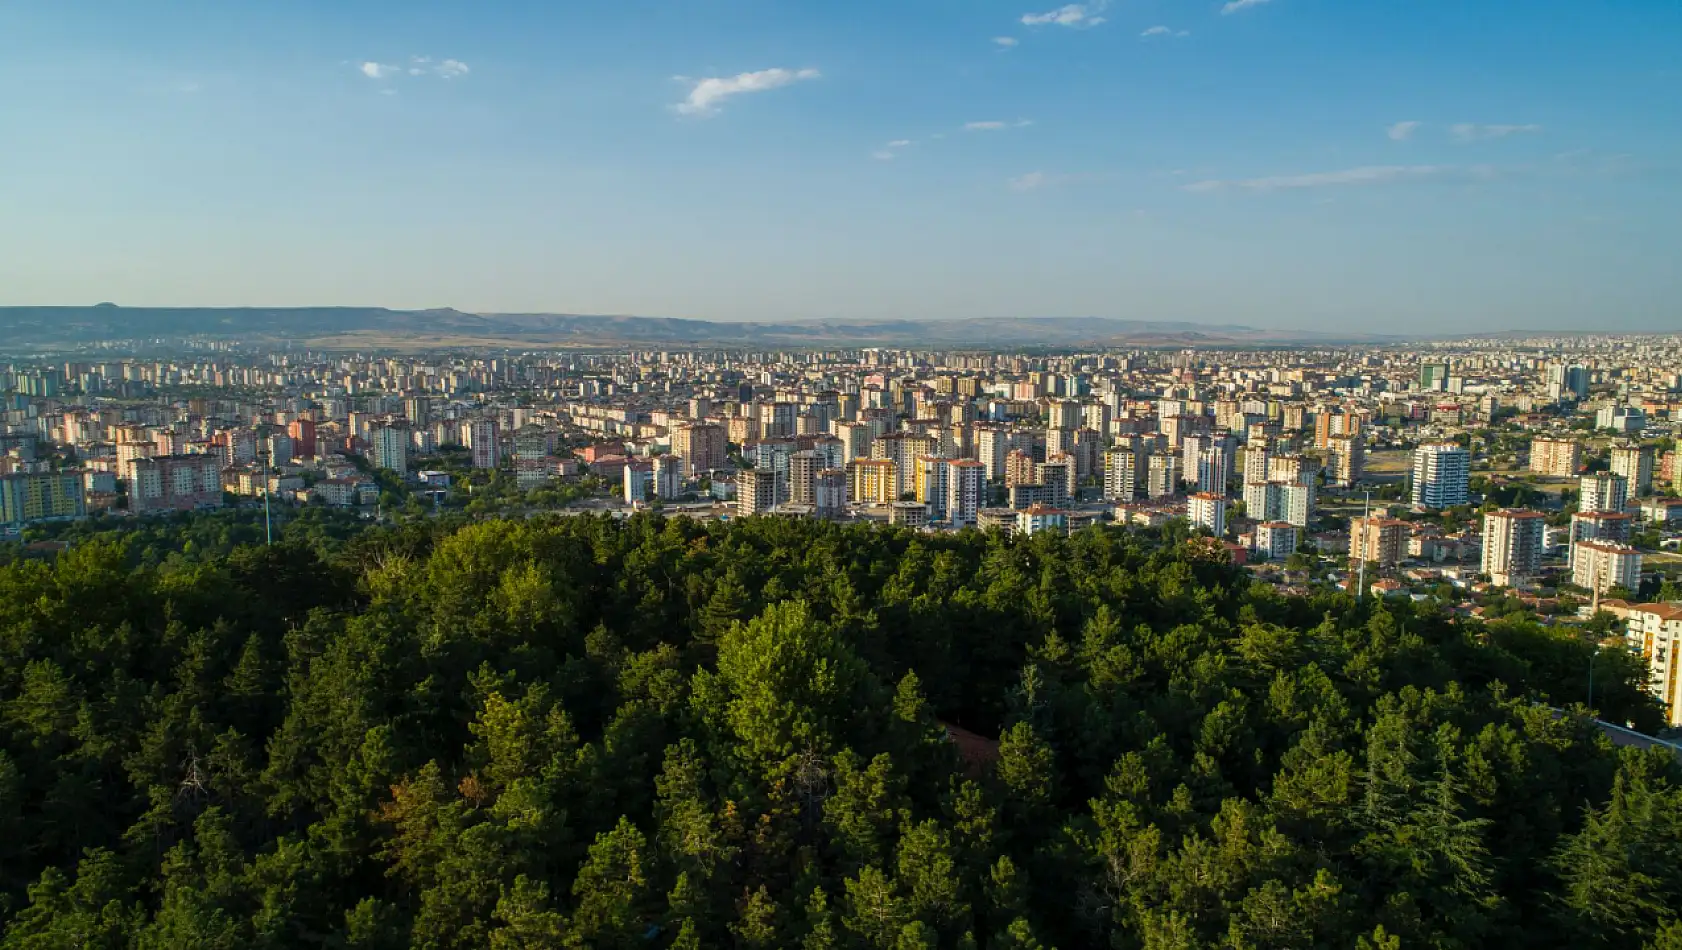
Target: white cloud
<point>1402,131</point>
<point>1028,182</point>
<point>888,152</point>
<point>1468,132</point>
<point>1163,31</point>
<point>1365,175</point>
<point>983,126</point>
<point>1077,15</point>
<point>1006,41</point>
<point>706,95</point>
<point>1236,5</point>
<point>418,66</point>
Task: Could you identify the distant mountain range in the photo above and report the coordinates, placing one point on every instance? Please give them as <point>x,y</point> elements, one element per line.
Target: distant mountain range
<point>424,329</point>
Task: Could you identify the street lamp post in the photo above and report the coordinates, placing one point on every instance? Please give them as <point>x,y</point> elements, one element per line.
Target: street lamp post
<point>268,523</point>
<point>1592,654</point>
<point>1361,582</point>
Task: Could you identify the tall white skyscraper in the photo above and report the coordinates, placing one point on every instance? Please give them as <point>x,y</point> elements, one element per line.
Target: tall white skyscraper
<point>1441,472</point>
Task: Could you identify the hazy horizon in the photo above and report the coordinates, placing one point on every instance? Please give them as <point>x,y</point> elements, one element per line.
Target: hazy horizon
<point>1427,168</point>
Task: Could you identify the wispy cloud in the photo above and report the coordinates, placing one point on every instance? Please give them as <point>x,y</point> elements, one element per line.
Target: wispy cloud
<point>888,152</point>
<point>1163,31</point>
<point>1076,15</point>
<point>1364,175</point>
<point>1006,42</point>
<point>707,95</point>
<point>1029,182</point>
<point>1470,132</point>
<point>1402,131</point>
<point>418,66</point>
<point>995,125</point>
<point>1236,5</point>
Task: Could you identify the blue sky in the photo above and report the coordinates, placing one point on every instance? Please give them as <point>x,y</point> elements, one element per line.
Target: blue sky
<point>1247,162</point>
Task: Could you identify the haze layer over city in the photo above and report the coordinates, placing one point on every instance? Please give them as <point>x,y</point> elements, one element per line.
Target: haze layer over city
<point>974,476</point>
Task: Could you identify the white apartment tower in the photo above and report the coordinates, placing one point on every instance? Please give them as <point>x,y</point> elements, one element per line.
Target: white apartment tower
<point>1441,473</point>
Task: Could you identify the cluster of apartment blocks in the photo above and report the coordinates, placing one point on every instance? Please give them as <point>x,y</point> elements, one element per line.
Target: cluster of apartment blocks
<point>1131,427</point>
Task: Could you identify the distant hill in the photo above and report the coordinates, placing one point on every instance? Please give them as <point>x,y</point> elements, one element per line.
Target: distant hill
<point>420,329</point>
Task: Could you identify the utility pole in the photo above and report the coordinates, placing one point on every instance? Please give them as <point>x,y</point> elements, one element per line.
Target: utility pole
<point>268,522</point>
<point>1592,654</point>
<point>1366,512</point>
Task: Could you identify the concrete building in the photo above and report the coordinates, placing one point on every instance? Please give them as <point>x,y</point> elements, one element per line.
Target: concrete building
<point>1612,526</point>
<point>1624,420</point>
<point>483,437</point>
<point>1297,504</point>
<point>829,492</point>
<point>803,468</point>
<point>1441,474</point>
<point>1058,473</point>
<point>1634,462</point>
<point>1602,492</point>
<point>871,481</point>
<point>1381,540</point>
<point>1602,565</point>
<point>1346,457</point>
<point>855,439</point>
<point>903,449</point>
<point>1208,510</point>
<point>1262,500</point>
<point>1512,546</point>
<point>1567,383</point>
<point>1019,467</point>
<point>929,487</point>
<point>908,514</point>
<point>1556,458</point>
<point>702,446</point>
<point>1162,476</point>
<point>1275,540</point>
<point>638,481</point>
<point>668,476</point>
<point>1214,469</point>
<point>174,483</point>
<point>1121,475</point>
<point>965,487</point>
<point>27,497</point>
<point>1039,518</point>
<point>756,491</point>
<point>991,447</point>
<point>1654,631</point>
<point>1256,457</point>
<point>388,448</point>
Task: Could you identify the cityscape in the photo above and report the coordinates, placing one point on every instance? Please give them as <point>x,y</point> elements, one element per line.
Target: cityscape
<point>1543,470</point>
<point>995,475</point>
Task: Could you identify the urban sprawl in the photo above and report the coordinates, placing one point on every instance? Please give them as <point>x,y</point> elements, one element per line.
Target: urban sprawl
<point>1543,470</point>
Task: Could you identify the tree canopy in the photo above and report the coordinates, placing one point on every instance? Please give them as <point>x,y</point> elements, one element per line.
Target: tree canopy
<point>589,732</point>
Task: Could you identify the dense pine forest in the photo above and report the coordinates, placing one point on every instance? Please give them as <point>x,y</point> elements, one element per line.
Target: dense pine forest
<point>664,733</point>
